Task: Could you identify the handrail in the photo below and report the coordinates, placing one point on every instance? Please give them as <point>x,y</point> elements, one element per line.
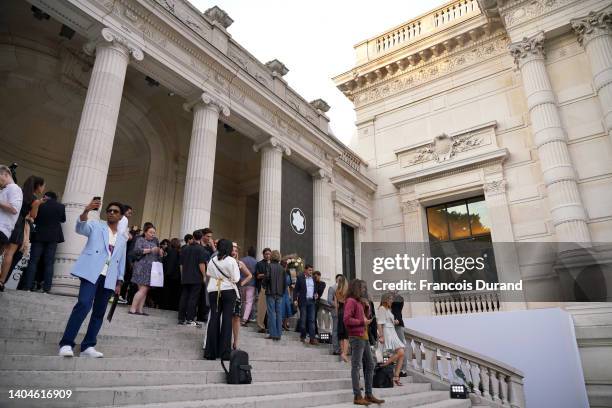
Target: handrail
<point>495,382</point>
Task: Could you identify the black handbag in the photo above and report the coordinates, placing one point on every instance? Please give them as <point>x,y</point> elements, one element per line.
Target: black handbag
<point>239,368</point>
<point>383,376</point>
<point>237,309</point>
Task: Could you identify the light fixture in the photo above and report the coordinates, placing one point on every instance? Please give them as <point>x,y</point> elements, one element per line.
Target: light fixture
<point>66,32</point>
<point>458,391</point>
<point>39,14</point>
<point>170,93</point>
<point>325,338</point>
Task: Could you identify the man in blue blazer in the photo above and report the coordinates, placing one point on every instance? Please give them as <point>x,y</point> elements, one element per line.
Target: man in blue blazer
<point>100,268</point>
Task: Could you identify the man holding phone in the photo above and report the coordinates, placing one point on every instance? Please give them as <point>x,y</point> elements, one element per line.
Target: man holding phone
<point>100,268</point>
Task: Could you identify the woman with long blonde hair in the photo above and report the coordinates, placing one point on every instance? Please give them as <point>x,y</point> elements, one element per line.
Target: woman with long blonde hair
<point>339,299</point>
<point>388,337</point>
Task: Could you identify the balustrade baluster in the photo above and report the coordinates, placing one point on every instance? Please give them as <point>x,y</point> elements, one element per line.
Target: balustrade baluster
<point>418,355</point>
<point>494,385</point>
<point>485,380</point>
<point>475,373</point>
<point>503,388</point>
<point>431,359</point>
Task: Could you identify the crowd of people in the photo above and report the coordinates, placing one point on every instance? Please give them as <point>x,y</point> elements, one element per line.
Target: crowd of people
<point>204,280</point>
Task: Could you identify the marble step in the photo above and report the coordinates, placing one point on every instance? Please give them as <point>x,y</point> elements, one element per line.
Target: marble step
<point>98,378</point>
<point>267,353</point>
<point>268,395</point>
<point>55,363</point>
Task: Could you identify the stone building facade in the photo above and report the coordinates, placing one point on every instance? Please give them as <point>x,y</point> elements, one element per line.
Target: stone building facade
<point>500,109</point>
<point>154,104</point>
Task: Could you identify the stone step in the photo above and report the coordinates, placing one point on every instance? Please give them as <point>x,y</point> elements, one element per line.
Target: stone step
<point>193,339</point>
<point>268,353</point>
<point>423,400</point>
<point>98,378</point>
<point>55,363</point>
<point>117,396</point>
<point>266,395</point>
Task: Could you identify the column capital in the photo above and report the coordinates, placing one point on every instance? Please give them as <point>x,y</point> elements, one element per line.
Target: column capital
<point>110,36</point>
<point>322,174</point>
<point>410,206</point>
<point>594,24</point>
<point>273,143</point>
<point>527,49</point>
<point>210,102</point>
<point>494,187</point>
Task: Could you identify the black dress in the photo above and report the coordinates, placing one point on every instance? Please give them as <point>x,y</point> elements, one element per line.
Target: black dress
<point>342,332</point>
<point>18,234</point>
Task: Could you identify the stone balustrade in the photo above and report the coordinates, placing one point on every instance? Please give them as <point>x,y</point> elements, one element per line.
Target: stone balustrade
<point>465,302</point>
<point>436,20</point>
<point>492,383</point>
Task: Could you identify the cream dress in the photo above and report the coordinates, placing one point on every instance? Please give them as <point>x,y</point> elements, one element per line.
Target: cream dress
<point>384,317</point>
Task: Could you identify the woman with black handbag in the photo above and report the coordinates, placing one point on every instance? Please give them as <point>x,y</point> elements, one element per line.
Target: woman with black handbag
<point>223,275</point>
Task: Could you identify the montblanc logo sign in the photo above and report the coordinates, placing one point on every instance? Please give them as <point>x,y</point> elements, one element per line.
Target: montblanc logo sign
<point>298,221</point>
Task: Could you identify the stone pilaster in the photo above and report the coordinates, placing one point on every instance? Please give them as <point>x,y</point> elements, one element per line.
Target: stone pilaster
<point>197,198</point>
<point>93,146</point>
<point>323,225</point>
<point>595,35</point>
<point>567,210</point>
<point>270,194</point>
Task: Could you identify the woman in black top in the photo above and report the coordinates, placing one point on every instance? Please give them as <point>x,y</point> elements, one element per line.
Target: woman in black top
<point>172,275</point>
<point>33,188</point>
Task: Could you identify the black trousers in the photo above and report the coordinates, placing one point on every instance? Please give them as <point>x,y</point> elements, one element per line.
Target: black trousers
<point>219,332</point>
<point>189,301</point>
<point>203,305</point>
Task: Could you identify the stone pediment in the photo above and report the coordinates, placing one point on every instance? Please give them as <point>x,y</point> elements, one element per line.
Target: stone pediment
<point>447,152</point>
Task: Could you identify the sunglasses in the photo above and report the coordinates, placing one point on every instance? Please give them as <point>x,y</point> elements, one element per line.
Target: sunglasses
<point>112,211</point>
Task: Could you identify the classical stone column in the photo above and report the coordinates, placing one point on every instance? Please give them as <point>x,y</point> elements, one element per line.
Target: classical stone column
<point>93,146</point>
<point>197,198</point>
<point>568,214</point>
<point>323,225</point>
<point>270,185</point>
<point>595,35</point>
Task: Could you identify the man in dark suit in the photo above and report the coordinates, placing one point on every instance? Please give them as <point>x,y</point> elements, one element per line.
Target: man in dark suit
<point>46,234</point>
<point>305,296</point>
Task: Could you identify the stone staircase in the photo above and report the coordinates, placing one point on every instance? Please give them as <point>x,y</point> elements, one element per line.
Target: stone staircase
<point>150,361</point>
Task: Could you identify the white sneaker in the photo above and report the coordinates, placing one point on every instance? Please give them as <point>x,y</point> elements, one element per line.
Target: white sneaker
<point>66,351</point>
<point>91,352</point>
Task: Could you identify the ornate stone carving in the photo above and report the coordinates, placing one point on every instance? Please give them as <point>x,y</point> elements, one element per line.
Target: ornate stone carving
<point>409,206</point>
<point>209,101</point>
<point>320,104</point>
<point>323,174</point>
<point>529,10</point>
<point>111,36</point>
<point>444,147</point>
<point>277,67</point>
<point>495,187</point>
<point>423,73</point>
<point>592,25</point>
<point>216,14</point>
<point>274,143</point>
<point>529,47</point>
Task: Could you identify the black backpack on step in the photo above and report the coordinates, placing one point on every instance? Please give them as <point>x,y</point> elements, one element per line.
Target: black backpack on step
<point>239,368</point>
<point>383,376</point>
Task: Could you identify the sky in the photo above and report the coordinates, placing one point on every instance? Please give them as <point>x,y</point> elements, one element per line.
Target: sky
<point>315,40</point>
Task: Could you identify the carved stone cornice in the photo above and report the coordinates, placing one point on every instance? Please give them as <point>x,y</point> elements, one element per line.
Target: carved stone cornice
<point>210,102</point>
<point>273,143</point>
<point>517,12</point>
<point>527,49</point>
<point>277,68</point>
<point>321,105</point>
<point>592,25</point>
<point>110,36</point>
<point>218,15</point>
<point>494,187</point>
<point>425,71</point>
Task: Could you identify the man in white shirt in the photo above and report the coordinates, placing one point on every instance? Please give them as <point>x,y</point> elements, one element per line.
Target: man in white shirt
<point>122,225</point>
<point>11,199</point>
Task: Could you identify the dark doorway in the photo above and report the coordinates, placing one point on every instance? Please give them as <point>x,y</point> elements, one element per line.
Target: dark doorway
<point>348,251</point>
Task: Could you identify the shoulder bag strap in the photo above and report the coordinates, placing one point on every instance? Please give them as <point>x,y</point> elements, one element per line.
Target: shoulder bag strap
<point>227,277</point>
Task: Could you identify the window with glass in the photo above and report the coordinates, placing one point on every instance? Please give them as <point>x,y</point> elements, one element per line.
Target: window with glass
<point>461,229</point>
